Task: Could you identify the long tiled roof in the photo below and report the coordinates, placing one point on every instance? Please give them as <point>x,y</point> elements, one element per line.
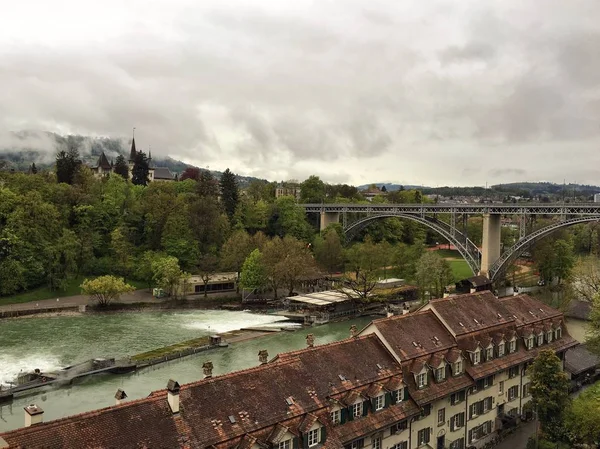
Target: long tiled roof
<point>292,385</point>
<point>526,310</point>
<point>471,312</point>
<point>415,335</point>
<point>297,389</point>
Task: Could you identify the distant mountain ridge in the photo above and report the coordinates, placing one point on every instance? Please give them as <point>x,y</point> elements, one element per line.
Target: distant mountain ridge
<point>526,189</point>
<point>22,148</point>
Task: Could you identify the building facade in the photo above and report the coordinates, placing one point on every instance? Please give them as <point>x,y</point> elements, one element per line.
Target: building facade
<point>447,376</point>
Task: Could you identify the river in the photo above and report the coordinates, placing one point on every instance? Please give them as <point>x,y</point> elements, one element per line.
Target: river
<point>53,342</point>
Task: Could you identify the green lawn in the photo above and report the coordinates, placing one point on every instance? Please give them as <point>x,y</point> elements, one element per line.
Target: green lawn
<point>448,254</point>
<point>460,269</point>
<point>42,293</point>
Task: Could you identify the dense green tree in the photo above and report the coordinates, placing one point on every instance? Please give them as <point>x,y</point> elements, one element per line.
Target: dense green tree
<point>209,224</point>
<point>235,250</point>
<point>123,251</point>
<point>143,268</point>
<point>178,238</point>
<point>287,218</point>
<point>329,251</point>
<point>549,392</point>
<point>167,275</point>
<point>564,260</point>
<point>207,186</point>
<point>255,214</point>
<point>582,419</point>
<point>66,165</point>
<point>140,173</point>
<point>105,289</point>
<point>61,258</point>
<point>312,190</point>
<point>432,274</point>
<point>229,193</point>
<point>121,168</point>
<point>253,276</point>
<point>404,259</point>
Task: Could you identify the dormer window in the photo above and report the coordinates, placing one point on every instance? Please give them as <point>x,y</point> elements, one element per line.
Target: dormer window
<point>422,380</point>
<point>457,367</point>
<point>336,416</point>
<point>489,353</point>
<point>313,437</point>
<point>379,402</point>
<point>549,336</point>
<point>440,374</point>
<point>512,346</point>
<point>500,349</point>
<point>529,342</point>
<point>397,395</point>
<point>357,409</point>
<point>476,357</point>
<point>540,339</point>
<point>558,333</point>
<point>285,444</point>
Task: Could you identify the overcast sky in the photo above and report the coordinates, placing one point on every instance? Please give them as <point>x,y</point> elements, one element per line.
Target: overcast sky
<point>436,92</point>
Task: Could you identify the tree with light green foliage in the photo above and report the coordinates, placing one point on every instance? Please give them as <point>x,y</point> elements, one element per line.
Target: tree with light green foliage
<point>433,274</point>
<point>143,267</point>
<point>582,419</point>
<point>167,274</point>
<point>105,289</point>
<point>253,276</point>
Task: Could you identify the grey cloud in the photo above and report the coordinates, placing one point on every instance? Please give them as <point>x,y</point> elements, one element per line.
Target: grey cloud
<point>280,90</point>
<point>471,52</point>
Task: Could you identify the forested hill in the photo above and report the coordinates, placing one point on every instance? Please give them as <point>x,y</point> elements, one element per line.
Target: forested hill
<point>522,189</point>
<point>24,147</point>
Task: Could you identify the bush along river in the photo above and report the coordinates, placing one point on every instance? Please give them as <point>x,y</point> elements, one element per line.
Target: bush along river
<point>51,343</point>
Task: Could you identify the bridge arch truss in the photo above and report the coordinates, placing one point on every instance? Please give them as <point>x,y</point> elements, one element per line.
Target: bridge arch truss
<point>512,253</point>
<point>467,249</point>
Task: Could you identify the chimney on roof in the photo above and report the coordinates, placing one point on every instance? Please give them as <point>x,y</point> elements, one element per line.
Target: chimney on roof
<point>263,356</point>
<point>310,340</point>
<point>353,331</point>
<point>33,415</point>
<point>173,395</point>
<point>120,396</point>
<point>207,367</point>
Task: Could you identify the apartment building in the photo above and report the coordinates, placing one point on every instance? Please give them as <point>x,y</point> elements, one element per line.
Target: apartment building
<point>443,377</point>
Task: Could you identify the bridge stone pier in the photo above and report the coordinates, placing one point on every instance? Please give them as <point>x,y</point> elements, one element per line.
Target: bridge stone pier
<point>491,242</point>
<point>327,218</point>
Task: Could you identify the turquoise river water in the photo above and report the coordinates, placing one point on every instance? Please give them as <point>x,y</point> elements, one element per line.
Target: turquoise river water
<point>49,343</point>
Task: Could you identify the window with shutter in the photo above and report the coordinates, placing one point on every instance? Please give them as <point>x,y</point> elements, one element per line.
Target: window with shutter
<point>286,444</point>
<point>357,410</point>
<point>379,402</point>
<point>336,417</point>
<point>441,416</point>
<point>313,437</point>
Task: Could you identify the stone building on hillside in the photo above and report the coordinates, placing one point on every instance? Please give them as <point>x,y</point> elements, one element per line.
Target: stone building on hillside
<point>448,376</point>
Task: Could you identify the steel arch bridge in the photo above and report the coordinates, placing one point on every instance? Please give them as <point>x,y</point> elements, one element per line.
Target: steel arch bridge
<point>489,260</point>
<point>467,249</point>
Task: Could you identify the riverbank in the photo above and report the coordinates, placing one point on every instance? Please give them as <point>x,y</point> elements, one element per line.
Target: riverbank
<point>55,308</point>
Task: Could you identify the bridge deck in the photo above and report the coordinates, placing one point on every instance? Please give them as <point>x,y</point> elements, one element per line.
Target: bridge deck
<point>490,208</point>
